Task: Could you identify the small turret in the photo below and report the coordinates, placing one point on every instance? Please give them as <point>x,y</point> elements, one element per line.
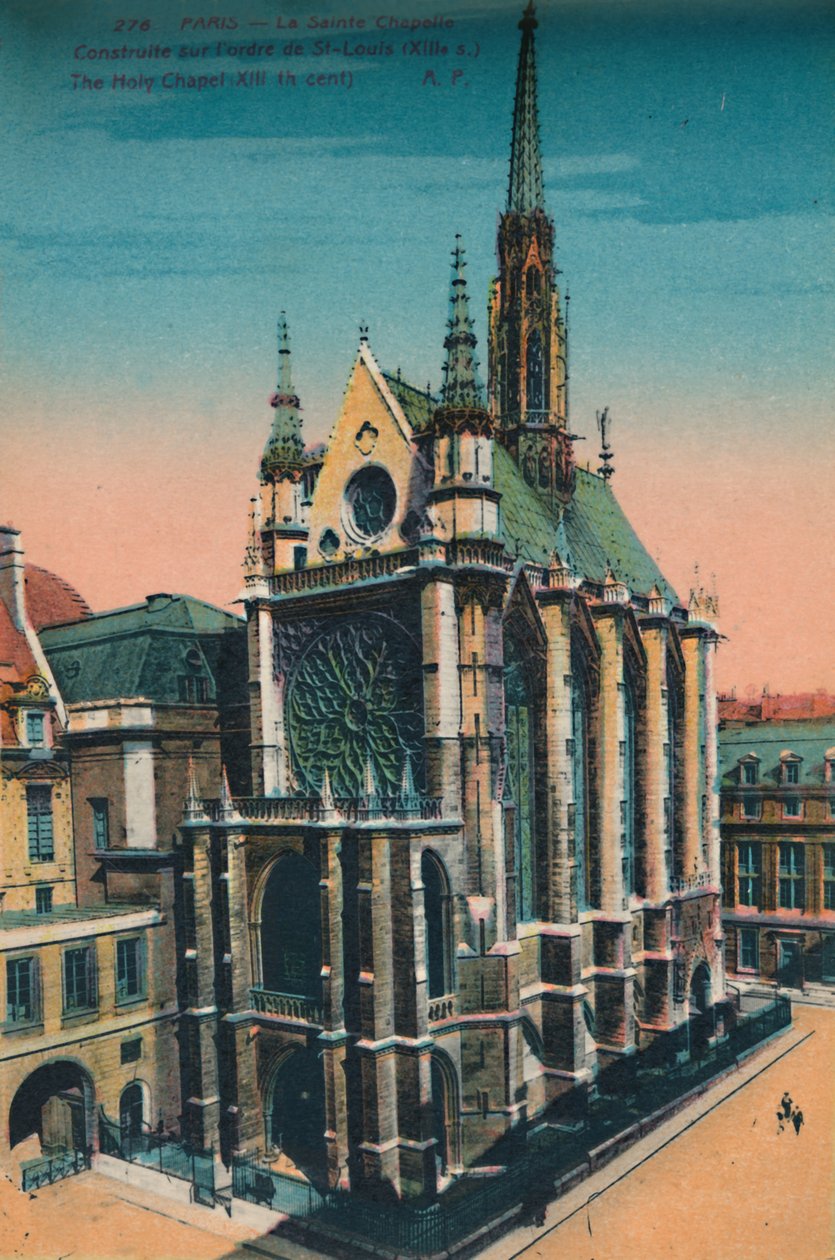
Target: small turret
<point>466,503</point>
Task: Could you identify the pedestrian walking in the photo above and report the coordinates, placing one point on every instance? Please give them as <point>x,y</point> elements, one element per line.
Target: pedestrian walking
<point>797,1120</point>
<point>786,1104</point>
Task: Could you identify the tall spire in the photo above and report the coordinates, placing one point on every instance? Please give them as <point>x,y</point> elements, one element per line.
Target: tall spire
<point>284,445</point>
<point>461,387</point>
<point>525,191</point>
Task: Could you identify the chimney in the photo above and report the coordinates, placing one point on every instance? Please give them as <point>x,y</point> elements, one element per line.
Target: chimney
<point>12,591</point>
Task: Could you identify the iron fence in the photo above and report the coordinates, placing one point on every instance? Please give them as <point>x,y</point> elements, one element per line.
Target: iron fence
<point>49,1168</point>
<point>528,1183</point>
<point>163,1153</point>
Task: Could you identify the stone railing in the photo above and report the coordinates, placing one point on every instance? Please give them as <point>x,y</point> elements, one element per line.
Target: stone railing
<point>687,883</point>
<point>309,809</point>
<point>441,1008</point>
<point>286,1005</point>
<point>360,568</point>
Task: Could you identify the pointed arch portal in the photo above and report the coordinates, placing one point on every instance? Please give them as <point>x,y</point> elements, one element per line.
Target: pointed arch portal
<point>291,929</point>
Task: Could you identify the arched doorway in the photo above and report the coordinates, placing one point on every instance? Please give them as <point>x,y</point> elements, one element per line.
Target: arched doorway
<point>436,913</point>
<point>55,1106</point>
<point>445,1117</point>
<point>700,1009</point>
<point>131,1111</point>
<point>291,929</point>
<point>294,1113</point>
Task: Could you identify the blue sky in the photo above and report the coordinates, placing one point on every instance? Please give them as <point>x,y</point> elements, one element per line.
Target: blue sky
<point>149,239</point>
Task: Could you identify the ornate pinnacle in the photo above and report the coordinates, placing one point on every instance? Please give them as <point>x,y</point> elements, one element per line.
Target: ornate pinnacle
<point>525,191</point>
<point>461,387</point>
<point>369,782</point>
<point>284,445</point>
<point>193,808</point>
<point>227,811</point>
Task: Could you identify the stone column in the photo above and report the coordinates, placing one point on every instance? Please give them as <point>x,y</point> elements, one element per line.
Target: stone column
<point>269,769</point>
<point>199,1021</point>
<point>655,784</point>
<point>694,751</point>
<point>378,1148</point>
<point>334,1038</point>
<point>441,692</point>
<point>562,894</point>
<point>609,626</point>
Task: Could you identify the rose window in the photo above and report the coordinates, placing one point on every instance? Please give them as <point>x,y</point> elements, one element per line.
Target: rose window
<point>356,694</point>
<point>371,499</point>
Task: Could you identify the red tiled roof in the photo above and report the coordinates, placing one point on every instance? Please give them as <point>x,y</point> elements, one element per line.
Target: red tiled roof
<point>49,599</point>
<point>803,705</point>
<point>16,664</point>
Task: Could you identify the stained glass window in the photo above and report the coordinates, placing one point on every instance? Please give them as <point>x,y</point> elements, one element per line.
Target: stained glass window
<point>520,779</point>
<point>371,500</point>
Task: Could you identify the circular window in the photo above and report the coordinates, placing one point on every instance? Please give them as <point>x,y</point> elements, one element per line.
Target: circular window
<point>371,499</point>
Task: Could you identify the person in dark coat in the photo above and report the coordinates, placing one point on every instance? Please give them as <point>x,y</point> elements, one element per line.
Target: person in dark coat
<point>786,1104</point>
<point>797,1120</point>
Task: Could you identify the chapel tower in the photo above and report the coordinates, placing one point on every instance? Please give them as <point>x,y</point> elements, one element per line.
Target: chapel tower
<point>527,331</point>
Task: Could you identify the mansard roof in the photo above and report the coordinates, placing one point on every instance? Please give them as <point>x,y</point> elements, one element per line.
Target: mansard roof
<point>598,533</point>
<point>143,650</point>
<point>810,740</point>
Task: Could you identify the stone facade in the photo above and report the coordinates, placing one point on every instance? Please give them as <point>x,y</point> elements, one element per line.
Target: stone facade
<point>106,721</point>
<point>480,868</point>
<point>778,843</point>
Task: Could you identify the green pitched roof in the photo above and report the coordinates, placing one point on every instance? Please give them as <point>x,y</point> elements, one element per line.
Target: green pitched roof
<point>597,531</point>
<point>144,650</point>
<point>418,406</point>
<point>810,740</point>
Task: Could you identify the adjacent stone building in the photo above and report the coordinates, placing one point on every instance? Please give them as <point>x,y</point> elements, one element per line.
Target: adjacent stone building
<point>101,717</point>
<point>777,761</point>
<point>479,865</point>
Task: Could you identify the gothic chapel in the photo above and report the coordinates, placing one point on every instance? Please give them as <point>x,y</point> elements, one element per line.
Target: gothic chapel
<point>478,873</point>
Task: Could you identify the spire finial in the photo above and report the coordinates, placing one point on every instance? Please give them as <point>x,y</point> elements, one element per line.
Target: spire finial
<point>525,191</point>
<point>284,445</point>
<point>227,811</point>
<point>461,387</point>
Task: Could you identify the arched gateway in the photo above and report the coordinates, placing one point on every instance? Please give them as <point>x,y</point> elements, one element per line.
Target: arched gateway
<point>54,1104</point>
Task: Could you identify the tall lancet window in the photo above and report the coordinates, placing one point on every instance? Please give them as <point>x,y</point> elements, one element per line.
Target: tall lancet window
<point>629,794</point>
<point>534,374</point>
<point>519,787</point>
<point>580,776</point>
<point>670,752</point>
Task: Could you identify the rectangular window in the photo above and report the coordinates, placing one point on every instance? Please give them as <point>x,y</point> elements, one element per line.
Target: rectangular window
<point>829,877</point>
<point>791,772</point>
<point>791,881</point>
<point>35,730</point>
<point>79,980</point>
<point>21,991</point>
<point>131,1051</point>
<point>749,772</point>
<point>748,872</point>
<point>130,969</point>
<point>101,823</point>
<point>39,822</point>
<point>751,807</point>
<point>792,807</point>
<point>194,689</point>
<point>43,900</point>
<point>749,949</point>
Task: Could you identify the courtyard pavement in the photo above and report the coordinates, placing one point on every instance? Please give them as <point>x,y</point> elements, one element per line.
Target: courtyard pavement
<point>716,1182</point>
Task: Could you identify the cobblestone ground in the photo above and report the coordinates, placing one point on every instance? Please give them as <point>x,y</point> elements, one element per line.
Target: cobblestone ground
<point>729,1187</point>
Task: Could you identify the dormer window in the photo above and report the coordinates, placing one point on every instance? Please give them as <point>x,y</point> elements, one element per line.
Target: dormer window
<point>749,769</point>
<point>789,767</point>
<point>35,733</point>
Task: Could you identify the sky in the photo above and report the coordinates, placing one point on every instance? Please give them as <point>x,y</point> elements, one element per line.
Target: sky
<point>151,235</point>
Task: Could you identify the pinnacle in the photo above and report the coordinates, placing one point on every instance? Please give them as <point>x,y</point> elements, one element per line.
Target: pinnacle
<point>284,444</point>
<point>461,387</point>
<point>525,192</point>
